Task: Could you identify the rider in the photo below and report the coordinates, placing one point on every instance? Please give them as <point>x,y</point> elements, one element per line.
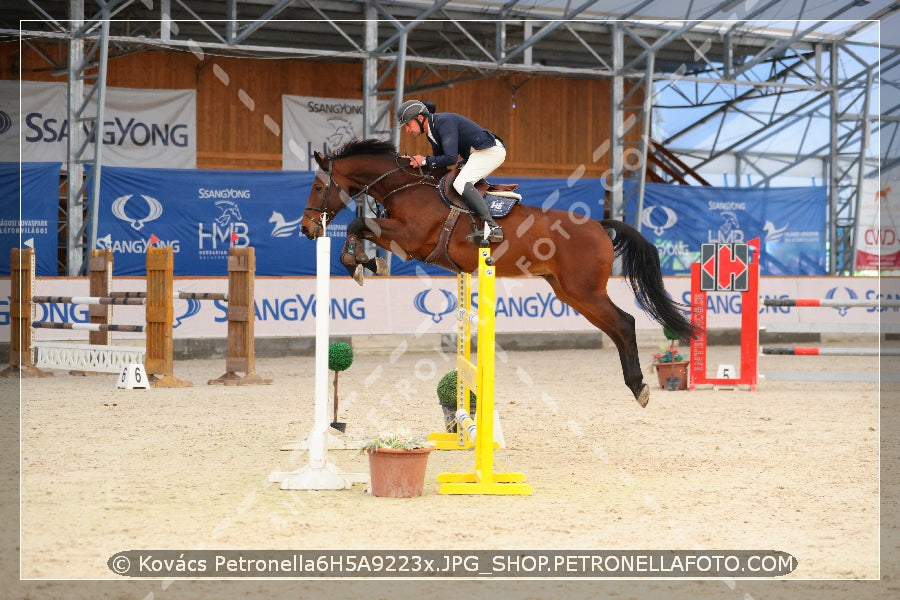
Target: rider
<point>451,136</point>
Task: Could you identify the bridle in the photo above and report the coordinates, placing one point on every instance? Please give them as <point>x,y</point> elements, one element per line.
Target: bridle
<point>327,215</point>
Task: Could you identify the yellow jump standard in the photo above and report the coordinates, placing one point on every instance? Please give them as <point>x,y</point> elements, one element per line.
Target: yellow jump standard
<point>480,377</point>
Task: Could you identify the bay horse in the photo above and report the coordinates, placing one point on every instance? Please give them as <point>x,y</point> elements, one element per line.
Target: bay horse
<point>574,255</point>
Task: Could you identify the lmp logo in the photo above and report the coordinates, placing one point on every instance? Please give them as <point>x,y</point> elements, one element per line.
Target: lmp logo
<point>647,221</point>
<point>5,122</point>
<point>283,227</point>
<point>851,295</point>
<point>774,234</point>
<point>436,316</point>
<point>154,211</point>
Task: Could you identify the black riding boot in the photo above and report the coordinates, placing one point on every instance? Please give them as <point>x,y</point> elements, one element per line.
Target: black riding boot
<point>475,202</point>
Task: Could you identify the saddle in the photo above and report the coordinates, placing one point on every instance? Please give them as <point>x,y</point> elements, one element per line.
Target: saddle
<point>500,199</point>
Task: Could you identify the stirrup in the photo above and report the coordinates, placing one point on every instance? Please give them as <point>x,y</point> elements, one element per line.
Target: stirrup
<point>494,235</point>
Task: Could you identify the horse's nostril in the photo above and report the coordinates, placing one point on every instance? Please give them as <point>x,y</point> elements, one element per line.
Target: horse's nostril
<point>304,230</point>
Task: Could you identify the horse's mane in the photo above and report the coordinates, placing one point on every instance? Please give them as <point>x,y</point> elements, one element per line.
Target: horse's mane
<point>363,147</point>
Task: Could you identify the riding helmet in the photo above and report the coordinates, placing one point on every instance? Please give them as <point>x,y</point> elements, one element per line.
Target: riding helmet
<point>409,110</point>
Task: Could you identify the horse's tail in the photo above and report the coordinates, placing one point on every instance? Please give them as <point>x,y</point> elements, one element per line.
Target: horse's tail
<point>640,265</point>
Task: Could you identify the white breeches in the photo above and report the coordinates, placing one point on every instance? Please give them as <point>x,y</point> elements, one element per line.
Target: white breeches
<point>481,163</point>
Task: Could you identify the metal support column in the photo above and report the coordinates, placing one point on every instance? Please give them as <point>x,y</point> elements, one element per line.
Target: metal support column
<point>646,115</point>
<point>85,132</point>
<point>616,150</point>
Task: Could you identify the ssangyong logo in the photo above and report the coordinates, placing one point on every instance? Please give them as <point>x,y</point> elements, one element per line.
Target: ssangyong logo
<point>193,307</point>
<point>154,210</point>
<point>449,302</point>
<point>647,221</point>
<point>5,122</point>
<point>835,294</point>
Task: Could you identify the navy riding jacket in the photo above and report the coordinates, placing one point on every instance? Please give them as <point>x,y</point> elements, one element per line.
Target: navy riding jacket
<point>455,136</point>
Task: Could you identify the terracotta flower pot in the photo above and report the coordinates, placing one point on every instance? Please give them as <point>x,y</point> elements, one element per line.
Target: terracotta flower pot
<point>670,370</point>
<point>398,473</point>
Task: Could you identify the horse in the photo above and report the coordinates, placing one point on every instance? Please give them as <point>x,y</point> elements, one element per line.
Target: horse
<point>573,253</point>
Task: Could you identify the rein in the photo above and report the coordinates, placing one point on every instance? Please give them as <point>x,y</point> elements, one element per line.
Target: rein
<point>328,215</point>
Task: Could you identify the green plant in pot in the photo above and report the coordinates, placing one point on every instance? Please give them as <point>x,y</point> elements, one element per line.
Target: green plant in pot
<point>396,439</point>
<point>669,351</point>
<point>340,357</point>
<point>446,393</point>
<point>671,366</point>
<point>397,463</point>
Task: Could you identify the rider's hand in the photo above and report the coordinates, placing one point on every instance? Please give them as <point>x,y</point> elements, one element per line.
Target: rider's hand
<point>417,161</point>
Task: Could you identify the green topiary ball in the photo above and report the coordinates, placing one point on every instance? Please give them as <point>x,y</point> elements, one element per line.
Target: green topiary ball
<point>446,390</point>
<point>340,356</point>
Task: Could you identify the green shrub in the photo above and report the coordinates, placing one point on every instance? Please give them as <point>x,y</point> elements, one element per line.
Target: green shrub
<point>340,356</point>
<point>446,391</point>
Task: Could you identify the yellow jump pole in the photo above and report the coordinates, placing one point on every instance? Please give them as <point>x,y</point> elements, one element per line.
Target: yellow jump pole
<point>465,370</point>
<point>483,480</point>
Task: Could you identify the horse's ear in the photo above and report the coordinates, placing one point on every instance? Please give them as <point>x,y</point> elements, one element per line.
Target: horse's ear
<point>319,158</point>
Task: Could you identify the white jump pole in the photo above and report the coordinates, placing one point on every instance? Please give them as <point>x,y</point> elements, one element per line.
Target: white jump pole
<point>320,473</point>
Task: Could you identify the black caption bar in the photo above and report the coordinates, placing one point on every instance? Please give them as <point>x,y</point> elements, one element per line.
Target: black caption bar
<point>447,563</point>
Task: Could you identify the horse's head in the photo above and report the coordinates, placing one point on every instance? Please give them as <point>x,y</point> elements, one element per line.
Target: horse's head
<point>327,198</point>
<point>360,166</point>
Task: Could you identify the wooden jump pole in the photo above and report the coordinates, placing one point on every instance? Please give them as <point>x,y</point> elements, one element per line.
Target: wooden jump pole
<point>158,302</point>
<point>241,318</point>
<point>159,358</point>
<point>21,314</point>
<point>100,272</point>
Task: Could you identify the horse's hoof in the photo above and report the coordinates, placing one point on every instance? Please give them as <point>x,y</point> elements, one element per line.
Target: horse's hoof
<point>359,275</point>
<point>643,397</point>
<point>381,267</point>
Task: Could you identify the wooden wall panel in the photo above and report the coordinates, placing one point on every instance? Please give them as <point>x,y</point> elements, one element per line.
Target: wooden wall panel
<point>551,125</point>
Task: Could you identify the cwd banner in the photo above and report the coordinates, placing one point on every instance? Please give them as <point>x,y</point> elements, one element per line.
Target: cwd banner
<point>789,221</point>
<point>878,226</point>
<point>322,124</point>
<point>141,127</point>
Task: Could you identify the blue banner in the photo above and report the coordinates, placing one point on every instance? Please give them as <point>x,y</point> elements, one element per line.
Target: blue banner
<point>789,221</point>
<point>33,220</point>
<point>202,213</point>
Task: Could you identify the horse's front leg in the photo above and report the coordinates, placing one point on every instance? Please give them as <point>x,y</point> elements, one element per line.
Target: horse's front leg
<point>354,257</point>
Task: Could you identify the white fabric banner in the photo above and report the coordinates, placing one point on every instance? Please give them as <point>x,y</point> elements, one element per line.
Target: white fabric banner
<point>44,104</point>
<point>878,224</point>
<point>322,124</point>
<point>285,306</point>
<point>141,127</point>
